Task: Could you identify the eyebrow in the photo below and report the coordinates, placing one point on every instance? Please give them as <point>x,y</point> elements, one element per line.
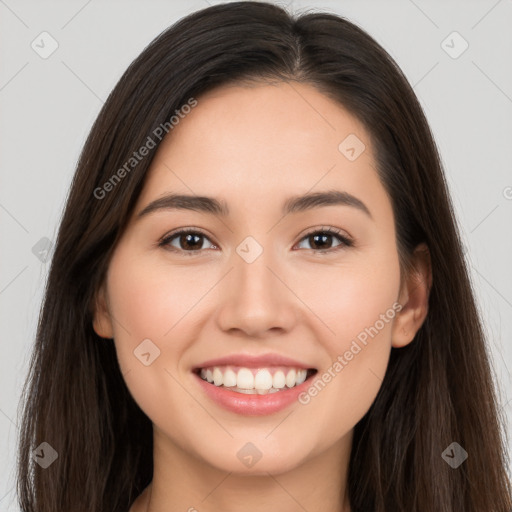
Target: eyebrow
<point>220,208</point>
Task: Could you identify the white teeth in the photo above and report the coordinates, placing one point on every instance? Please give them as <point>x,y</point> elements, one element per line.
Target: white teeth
<point>279,380</point>
<point>217,377</point>
<point>290,378</point>
<point>245,379</point>
<point>301,377</point>
<point>229,378</point>
<point>250,381</point>
<point>263,380</point>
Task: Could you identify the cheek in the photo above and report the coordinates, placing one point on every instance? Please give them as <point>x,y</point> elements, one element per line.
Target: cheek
<point>151,300</point>
<point>359,306</point>
<point>353,298</point>
<point>149,303</point>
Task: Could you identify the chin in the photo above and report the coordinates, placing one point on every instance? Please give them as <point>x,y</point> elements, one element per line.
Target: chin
<point>242,456</point>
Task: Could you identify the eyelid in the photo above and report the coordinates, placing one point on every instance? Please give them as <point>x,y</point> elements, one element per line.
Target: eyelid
<point>346,240</point>
<point>164,240</point>
<point>327,229</point>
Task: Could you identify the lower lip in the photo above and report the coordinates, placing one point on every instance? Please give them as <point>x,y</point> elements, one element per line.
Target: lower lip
<point>252,405</point>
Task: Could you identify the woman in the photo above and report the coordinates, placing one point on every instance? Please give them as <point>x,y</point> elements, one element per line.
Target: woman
<point>263,370</point>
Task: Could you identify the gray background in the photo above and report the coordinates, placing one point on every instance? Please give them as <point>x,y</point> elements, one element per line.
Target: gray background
<point>49,104</point>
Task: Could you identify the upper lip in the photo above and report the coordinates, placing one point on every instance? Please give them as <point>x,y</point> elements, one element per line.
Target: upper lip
<point>253,361</point>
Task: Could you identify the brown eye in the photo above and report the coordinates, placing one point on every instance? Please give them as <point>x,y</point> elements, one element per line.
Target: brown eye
<point>191,241</point>
<point>321,240</point>
<point>185,241</point>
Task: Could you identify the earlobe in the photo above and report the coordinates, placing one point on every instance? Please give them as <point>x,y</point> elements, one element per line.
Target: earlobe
<point>102,323</point>
<point>413,298</point>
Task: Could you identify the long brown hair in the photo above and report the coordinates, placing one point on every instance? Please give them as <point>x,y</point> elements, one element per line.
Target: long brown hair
<point>437,390</point>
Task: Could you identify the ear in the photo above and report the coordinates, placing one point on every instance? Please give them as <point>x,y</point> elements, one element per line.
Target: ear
<point>102,322</point>
<point>413,297</point>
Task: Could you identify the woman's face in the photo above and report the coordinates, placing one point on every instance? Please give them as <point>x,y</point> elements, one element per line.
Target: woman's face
<point>257,281</point>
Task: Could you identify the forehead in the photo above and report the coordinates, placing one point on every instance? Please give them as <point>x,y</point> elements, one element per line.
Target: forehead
<point>262,118</point>
<point>261,140</point>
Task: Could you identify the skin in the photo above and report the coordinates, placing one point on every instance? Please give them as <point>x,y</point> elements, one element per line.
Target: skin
<point>254,147</point>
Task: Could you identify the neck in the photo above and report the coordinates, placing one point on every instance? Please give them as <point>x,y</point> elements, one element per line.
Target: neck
<point>185,483</point>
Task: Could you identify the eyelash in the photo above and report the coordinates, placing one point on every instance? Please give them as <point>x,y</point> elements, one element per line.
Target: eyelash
<point>345,241</point>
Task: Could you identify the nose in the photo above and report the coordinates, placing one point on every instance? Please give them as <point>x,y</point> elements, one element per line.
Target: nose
<point>255,299</point>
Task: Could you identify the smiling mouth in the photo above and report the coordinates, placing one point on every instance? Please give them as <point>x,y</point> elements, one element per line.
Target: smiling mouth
<point>255,381</point>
